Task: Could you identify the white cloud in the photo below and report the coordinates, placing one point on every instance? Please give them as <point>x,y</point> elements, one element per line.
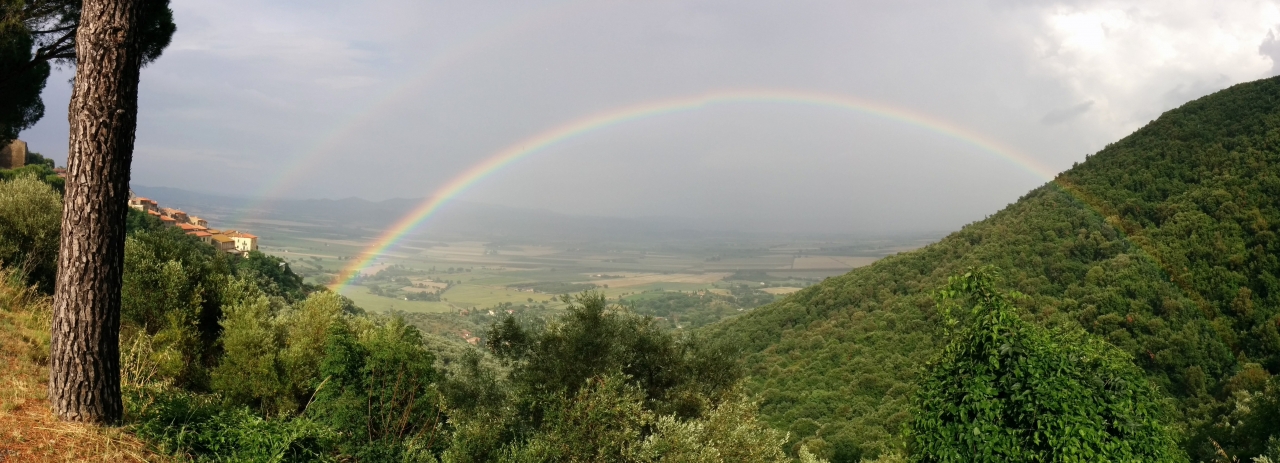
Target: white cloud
<point>1270,48</point>
<point>1137,59</point>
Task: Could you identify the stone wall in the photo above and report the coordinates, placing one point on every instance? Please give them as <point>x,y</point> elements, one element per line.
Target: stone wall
<point>14,155</point>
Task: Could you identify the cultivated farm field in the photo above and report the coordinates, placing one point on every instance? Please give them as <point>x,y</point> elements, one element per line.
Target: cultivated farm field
<point>456,276</point>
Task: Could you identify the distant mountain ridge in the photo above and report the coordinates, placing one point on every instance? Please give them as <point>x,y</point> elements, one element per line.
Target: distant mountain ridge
<point>1173,258</point>
<point>457,217</point>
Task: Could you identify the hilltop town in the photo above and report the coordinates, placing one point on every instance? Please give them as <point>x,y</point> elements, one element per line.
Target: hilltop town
<point>230,241</point>
<point>15,156</point>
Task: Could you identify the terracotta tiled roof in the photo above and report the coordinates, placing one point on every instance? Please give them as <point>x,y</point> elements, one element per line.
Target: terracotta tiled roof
<point>199,233</point>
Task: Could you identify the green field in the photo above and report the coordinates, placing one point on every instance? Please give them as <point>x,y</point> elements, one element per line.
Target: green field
<point>463,274</point>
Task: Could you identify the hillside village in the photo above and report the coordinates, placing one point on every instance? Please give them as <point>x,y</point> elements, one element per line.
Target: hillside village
<point>16,155</point>
<point>230,241</point>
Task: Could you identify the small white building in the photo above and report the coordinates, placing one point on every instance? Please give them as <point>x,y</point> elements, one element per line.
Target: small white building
<point>244,241</point>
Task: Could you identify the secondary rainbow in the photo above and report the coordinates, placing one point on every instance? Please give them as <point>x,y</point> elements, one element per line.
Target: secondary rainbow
<point>297,168</point>
<point>614,117</point>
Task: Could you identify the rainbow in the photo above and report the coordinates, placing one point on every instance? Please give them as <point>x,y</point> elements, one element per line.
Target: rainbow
<point>599,121</point>
<point>297,167</point>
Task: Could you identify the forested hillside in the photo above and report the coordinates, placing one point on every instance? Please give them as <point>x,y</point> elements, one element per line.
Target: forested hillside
<point>1163,244</point>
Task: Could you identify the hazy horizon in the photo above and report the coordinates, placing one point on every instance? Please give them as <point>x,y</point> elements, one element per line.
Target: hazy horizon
<point>332,100</point>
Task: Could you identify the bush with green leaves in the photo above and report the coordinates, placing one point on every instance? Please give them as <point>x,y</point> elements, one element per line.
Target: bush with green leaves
<point>203,428</point>
<point>605,420</point>
<point>602,384</point>
<point>602,421</point>
<point>250,371</point>
<point>30,222</point>
<point>306,327</point>
<point>1249,422</point>
<point>274,274</point>
<point>727,432</point>
<point>378,392</point>
<point>138,221</point>
<point>1005,389</point>
<point>170,298</point>
<point>675,374</point>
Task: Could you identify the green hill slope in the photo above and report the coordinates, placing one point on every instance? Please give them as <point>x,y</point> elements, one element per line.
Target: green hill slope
<point>1163,243</point>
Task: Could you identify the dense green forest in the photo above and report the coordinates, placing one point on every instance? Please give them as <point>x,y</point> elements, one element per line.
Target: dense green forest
<point>1163,244</point>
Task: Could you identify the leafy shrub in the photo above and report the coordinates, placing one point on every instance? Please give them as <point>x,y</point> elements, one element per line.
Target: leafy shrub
<point>204,429</point>
<point>378,392</point>
<point>161,307</point>
<point>601,421</point>
<point>1248,419</point>
<point>30,222</point>
<point>250,371</point>
<point>591,339</point>
<point>306,327</point>
<point>1008,390</point>
<point>274,275</point>
<point>729,432</point>
<point>138,221</point>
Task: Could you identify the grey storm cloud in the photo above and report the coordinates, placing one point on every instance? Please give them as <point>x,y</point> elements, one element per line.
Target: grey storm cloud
<point>395,98</point>
<point>1059,116</point>
<point>1270,48</point>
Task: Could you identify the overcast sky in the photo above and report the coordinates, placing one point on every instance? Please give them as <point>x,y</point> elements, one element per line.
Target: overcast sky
<point>320,98</point>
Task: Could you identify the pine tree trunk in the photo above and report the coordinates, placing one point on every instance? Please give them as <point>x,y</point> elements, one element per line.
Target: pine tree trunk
<point>84,360</point>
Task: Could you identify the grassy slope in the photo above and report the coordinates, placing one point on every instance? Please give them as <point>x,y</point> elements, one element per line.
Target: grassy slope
<point>28,430</point>
<point>1163,243</point>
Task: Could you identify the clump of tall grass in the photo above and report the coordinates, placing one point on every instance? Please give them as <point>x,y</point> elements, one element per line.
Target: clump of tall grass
<point>24,341</point>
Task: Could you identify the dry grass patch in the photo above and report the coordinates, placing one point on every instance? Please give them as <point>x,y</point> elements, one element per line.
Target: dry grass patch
<point>28,430</point>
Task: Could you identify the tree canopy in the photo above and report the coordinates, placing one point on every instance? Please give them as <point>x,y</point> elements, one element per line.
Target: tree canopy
<point>1004,389</point>
<point>35,34</point>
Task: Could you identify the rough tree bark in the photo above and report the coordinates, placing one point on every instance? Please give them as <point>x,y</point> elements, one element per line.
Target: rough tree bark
<point>84,370</point>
